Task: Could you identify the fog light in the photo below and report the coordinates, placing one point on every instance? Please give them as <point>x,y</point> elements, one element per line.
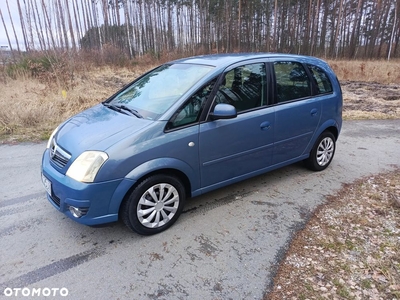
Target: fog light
<point>78,212</point>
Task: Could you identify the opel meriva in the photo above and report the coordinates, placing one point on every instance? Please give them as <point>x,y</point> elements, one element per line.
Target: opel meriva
<point>188,127</point>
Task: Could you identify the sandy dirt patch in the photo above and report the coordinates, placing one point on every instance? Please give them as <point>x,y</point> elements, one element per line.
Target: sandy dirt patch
<point>370,100</point>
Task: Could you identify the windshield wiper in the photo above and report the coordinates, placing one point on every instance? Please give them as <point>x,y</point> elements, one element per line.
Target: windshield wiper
<point>122,109</point>
<point>111,106</point>
<point>131,110</point>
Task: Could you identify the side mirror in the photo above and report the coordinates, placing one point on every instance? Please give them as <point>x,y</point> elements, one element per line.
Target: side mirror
<point>223,111</point>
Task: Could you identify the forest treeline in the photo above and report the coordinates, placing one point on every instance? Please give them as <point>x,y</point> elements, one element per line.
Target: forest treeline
<point>352,29</point>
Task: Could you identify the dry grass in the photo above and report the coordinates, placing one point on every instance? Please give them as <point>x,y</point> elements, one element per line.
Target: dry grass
<point>380,71</point>
<point>349,248</point>
<point>31,107</point>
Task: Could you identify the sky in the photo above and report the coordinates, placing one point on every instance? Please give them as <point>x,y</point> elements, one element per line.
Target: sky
<point>15,17</point>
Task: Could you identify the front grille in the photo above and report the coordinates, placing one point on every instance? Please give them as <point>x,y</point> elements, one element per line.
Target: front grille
<point>58,156</point>
<point>58,159</point>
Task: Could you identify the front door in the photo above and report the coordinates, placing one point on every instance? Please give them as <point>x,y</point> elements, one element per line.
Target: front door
<point>231,149</point>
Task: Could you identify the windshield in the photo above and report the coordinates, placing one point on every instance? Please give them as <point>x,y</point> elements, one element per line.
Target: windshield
<point>153,94</point>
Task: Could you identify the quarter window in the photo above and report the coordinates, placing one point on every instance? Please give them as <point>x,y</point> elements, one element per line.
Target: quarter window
<point>324,85</point>
<point>292,81</point>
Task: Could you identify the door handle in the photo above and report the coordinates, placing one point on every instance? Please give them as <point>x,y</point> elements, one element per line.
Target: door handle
<point>314,112</point>
<point>265,125</point>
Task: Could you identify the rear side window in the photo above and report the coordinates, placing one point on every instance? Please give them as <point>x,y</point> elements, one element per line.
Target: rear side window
<point>321,79</point>
<point>292,81</point>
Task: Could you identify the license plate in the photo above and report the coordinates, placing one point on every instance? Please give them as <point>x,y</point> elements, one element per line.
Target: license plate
<point>47,184</point>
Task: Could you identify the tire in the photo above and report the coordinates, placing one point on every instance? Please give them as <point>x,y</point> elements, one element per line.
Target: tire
<point>154,205</point>
<point>322,153</point>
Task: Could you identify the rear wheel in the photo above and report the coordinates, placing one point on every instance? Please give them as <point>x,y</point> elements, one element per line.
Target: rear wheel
<point>322,153</point>
<point>154,205</point>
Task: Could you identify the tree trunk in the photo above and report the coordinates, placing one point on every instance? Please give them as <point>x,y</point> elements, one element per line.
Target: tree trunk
<point>128,35</point>
<point>21,18</point>
<point>393,31</point>
<point>8,38</point>
<point>71,28</point>
<point>12,25</point>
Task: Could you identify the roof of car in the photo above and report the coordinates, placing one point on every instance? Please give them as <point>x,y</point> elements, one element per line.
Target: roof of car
<point>220,60</point>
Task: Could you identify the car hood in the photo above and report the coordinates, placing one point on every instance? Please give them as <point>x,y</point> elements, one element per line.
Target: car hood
<point>97,128</point>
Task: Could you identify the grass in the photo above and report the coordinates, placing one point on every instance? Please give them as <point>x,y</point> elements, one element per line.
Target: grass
<point>40,92</point>
<point>380,71</point>
<point>32,107</point>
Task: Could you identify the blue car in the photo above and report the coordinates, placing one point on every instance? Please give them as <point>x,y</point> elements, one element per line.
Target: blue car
<point>188,127</point>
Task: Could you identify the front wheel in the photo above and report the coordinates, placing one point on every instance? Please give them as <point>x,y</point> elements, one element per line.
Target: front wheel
<point>322,153</point>
<point>154,205</point>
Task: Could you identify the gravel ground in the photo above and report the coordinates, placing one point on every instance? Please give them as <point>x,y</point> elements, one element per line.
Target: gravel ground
<point>349,248</point>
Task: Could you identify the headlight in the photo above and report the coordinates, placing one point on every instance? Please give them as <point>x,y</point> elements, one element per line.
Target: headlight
<point>51,137</point>
<point>86,166</point>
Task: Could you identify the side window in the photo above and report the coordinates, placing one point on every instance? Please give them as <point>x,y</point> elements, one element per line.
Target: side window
<point>292,81</point>
<point>321,79</point>
<point>190,112</point>
<point>244,87</point>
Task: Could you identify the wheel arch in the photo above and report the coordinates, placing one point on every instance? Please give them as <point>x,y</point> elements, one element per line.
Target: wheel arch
<point>330,126</point>
<point>178,169</point>
<point>334,131</point>
<point>169,171</point>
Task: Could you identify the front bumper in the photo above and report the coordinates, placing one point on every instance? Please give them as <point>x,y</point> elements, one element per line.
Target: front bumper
<point>100,201</point>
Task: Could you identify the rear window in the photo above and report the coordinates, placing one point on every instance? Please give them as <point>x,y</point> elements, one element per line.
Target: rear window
<point>292,81</point>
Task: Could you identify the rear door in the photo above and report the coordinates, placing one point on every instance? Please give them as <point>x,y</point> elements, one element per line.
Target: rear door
<point>297,111</point>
